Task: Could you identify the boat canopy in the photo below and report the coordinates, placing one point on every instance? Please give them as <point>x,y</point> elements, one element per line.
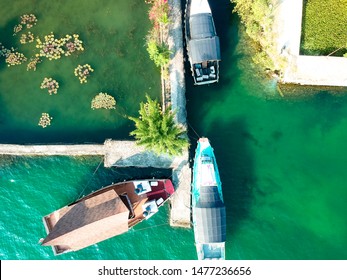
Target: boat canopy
<point>204,50</point>
<point>204,44</point>
<point>202,26</point>
<point>89,221</point>
<point>210,216</point>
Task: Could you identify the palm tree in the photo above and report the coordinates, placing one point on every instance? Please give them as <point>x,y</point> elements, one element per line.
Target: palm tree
<point>157,131</point>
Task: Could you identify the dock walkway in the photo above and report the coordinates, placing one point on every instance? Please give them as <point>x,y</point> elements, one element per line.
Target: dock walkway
<point>180,202</point>
<point>52,150</point>
<point>116,153</point>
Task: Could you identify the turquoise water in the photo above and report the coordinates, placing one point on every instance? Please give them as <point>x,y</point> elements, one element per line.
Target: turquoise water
<point>281,159</point>
<point>34,187</point>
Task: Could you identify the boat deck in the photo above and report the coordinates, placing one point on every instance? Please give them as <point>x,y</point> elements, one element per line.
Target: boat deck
<point>211,251</point>
<point>205,72</point>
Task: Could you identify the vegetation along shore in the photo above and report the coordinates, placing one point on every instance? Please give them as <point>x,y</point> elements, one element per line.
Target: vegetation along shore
<point>321,33</point>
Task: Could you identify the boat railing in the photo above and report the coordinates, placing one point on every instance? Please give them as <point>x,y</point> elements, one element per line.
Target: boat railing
<point>133,222</point>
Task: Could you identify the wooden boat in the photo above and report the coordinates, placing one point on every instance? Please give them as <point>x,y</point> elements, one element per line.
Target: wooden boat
<point>108,212</point>
<point>202,42</point>
<point>208,210</point>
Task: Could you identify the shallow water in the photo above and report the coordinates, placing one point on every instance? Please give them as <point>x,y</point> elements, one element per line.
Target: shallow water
<point>281,160</point>
<point>113,43</point>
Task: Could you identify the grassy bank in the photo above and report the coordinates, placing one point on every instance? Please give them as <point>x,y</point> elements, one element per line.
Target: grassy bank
<point>257,18</point>
<point>324,27</point>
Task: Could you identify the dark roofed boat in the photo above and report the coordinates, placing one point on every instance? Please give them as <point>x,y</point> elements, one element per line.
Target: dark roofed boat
<point>108,212</point>
<point>208,210</point>
<point>203,45</point>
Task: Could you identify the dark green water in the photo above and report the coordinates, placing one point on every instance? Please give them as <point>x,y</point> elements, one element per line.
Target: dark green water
<point>282,160</point>
<point>282,164</point>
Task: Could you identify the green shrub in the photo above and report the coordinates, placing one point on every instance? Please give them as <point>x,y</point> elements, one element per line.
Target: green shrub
<point>159,53</point>
<point>157,131</point>
<point>256,15</point>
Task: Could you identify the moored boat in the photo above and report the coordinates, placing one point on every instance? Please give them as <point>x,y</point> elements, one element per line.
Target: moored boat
<point>202,42</point>
<point>105,213</point>
<point>208,210</point>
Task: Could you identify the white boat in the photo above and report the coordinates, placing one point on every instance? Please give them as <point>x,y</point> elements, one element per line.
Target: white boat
<point>203,45</point>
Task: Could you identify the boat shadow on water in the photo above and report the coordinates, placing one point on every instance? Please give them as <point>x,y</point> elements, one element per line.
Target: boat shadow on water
<point>236,169</point>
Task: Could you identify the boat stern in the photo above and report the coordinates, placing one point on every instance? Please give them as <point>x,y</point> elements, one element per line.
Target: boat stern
<point>48,222</point>
<point>211,251</point>
<point>206,72</point>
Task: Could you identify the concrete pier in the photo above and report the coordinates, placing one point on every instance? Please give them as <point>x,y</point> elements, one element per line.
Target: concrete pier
<point>176,67</point>
<point>51,150</point>
<point>180,202</point>
<point>116,153</point>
